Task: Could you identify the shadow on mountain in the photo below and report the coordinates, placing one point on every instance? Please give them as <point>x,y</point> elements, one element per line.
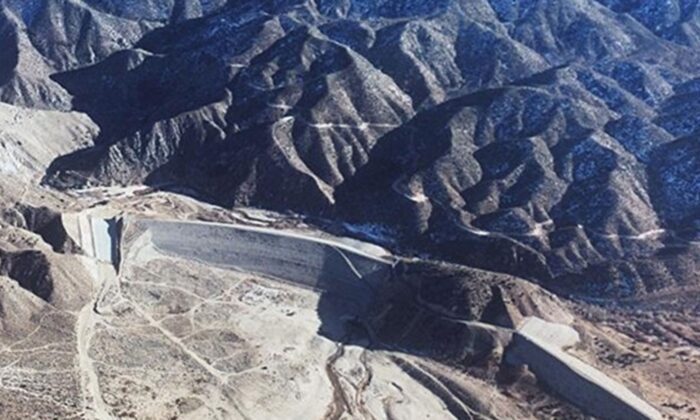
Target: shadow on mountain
<point>371,194</point>
<point>441,314</point>
<point>9,52</point>
<point>131,91</point>
<point>427,309</point>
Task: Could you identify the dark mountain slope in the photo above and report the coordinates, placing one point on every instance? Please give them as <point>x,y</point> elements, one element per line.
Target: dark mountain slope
<point>47,36</point>
<point>548,139</point>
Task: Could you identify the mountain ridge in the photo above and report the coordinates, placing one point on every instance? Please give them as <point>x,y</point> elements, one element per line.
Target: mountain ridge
<point>419,116</point>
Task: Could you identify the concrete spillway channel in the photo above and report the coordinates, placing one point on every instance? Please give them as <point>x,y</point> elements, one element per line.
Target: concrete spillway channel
<point>97,236</point>
<point>541,346</point>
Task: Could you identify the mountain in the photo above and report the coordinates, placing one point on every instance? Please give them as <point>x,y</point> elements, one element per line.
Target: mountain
<point>180,180</point>
<point>545,133</point>
<point>43,37</point>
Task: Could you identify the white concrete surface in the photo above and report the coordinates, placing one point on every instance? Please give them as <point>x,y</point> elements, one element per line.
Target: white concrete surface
<point>549,334</point>
<point>103,241</point>
<point>96,235</point>
<point>540,345</point>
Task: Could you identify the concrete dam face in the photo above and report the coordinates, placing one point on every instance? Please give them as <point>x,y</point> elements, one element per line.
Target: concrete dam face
<point>322,264</point>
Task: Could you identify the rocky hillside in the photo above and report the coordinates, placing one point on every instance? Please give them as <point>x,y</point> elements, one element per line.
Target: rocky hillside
<point>555,140</point>
<point>41,37</point>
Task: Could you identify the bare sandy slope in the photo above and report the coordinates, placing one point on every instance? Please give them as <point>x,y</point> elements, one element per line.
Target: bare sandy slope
<point>30,139</point>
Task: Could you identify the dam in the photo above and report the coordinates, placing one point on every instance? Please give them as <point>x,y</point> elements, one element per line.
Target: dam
<point>356,272</point>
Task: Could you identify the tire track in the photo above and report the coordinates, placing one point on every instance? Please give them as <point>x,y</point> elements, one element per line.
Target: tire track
<point>340,404</point>
<point>363,385</point>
